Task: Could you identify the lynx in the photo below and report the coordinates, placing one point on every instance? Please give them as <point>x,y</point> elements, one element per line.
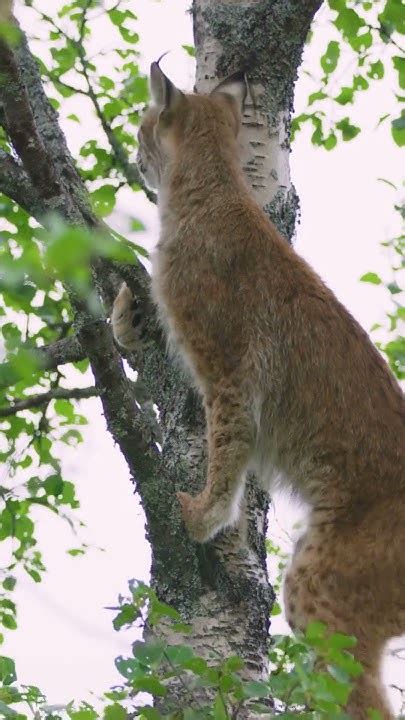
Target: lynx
<point>291,384</point>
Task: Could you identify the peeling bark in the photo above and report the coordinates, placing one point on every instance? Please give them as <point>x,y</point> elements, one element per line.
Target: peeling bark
<point>265,39</point>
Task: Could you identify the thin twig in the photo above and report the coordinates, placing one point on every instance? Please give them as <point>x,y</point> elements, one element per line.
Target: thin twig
<point>129,169</point>
<point>56,393</point>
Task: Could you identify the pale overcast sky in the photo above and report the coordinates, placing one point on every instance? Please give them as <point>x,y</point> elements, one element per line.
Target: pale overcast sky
<point>65,643</point>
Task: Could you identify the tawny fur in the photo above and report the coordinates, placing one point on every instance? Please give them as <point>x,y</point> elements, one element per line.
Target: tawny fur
<point>290,381</point>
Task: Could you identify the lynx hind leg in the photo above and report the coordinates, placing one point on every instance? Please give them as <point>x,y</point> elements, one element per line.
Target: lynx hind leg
<point>314,589</point>
<point>124,319</point>
<point>231,434</point>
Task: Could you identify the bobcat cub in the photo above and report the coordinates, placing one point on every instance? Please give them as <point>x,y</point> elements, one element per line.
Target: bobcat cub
<point>291,383</point>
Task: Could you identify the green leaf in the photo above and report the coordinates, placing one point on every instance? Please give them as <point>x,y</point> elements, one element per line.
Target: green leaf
<point>330,59</point>
<point>319,95</point>
<point>64,57</point>
<point>116,695</point>
<point>159,609</point>
<point>179,654</point>
<point>374,715</point>
<point>9,694</point>
<point>220,712</point>
<point>8,621</point>
<point>103,200</point>
<point>64,408</point>
<point>345,96</point>
<point>383,118</point>
<point>106,83</point>
<point>148,653</point>
<point>53,485</point>
<point>330,142</point>
<point>362,41</point>
<point>339,641</point>
<point>85,713</point>
<point>115,712</point>
<point>348,130</point>
<point>69,495</point>
<point>150,684</point>
<point>393,16</point>
<point>9,583</point>
<point>75,552</point>
<point>190,50</point>
<point>398,129</point>
<point>149,713</point>
<point>395,352</point>
<point>128,35</point>
<point>137,89</point>
<point>118,17</point>
<point>315,631</point>
<point>348,22</point>
<point>127,615</point>
<point>360,83</point>
<point>23,528</point>
<point>127,667</point>
<point>234,663</point>
<point>399,65</point>
<point>7,670</point>
<point>371,277</point>
<point>197,665</point>
<point>377,70</point>
<point>34,574</point>
<point>394,288</point>
<point>10,33</point>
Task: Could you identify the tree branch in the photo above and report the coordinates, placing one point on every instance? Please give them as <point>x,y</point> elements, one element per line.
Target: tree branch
<point>58,393</point>
<point>16,184</point>
<point>60,352</point>
<point>72,203</point>
<point>20,124</point>
<point>48,357</point>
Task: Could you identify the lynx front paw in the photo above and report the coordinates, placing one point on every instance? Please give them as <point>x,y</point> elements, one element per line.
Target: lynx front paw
<point>202,523</point>
<point>125,319</point>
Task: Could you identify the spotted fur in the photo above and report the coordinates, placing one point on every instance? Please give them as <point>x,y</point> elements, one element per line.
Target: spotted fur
<point>291,383</point>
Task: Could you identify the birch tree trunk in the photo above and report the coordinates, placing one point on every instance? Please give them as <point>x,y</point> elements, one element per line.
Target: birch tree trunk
<point>221,588</point>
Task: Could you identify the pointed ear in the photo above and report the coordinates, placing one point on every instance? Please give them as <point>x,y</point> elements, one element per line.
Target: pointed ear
<point>235,86</point>
<point>164,94</point>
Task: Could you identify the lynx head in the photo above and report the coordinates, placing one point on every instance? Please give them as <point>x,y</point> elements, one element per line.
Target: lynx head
<point>174,117</point>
